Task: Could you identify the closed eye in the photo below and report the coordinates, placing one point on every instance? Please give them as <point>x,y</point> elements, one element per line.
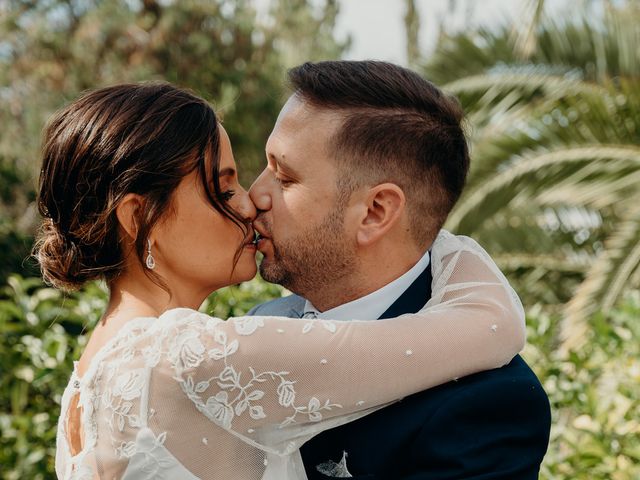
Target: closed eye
<point>283,181</point>
<point>227,195</point>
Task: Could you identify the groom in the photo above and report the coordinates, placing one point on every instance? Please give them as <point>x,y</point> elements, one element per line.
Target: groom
<point>364,164</point>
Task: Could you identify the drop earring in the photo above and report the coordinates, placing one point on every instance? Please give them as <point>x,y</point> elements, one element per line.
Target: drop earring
<point>150,262</point>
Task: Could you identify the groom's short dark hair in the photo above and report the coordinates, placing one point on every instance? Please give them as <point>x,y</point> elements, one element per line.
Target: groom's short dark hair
<point>398,127</point>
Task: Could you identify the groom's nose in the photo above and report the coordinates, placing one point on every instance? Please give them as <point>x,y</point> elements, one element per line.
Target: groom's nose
<point>246,208</point>
<point>259,192</point>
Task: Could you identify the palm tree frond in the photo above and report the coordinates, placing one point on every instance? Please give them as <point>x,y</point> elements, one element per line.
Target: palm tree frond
<point>531,177</point>
<point>609,276</point>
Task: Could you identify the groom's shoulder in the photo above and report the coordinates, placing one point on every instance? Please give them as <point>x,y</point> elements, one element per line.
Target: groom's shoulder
<point>288,306</point>
<point>514,380</point>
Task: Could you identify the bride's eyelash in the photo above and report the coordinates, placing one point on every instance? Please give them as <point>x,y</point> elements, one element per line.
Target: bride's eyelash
<point>227,195</point>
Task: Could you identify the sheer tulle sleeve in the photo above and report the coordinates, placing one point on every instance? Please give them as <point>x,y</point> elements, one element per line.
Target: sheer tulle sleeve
<point>251,390</point>
<point>253,372</point>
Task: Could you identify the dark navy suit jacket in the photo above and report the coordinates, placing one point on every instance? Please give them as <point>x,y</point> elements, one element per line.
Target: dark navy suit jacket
<point>490,425</point>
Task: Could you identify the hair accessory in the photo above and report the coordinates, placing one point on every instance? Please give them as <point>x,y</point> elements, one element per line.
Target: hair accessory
<point>150,262</point>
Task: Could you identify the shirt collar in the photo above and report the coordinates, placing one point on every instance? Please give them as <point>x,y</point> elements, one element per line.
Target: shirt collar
<point>373,305</point>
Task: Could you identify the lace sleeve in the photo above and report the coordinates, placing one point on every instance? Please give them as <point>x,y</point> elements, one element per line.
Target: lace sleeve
<point>250,375</point>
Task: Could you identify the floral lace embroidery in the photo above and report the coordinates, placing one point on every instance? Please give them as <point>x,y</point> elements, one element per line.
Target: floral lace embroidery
<point>186,351</point>
<point>91,398</point>
<point>124,389</point>
<point>236,397</point>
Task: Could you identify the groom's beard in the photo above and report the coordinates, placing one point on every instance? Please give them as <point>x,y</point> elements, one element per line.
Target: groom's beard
<point>312,261</point>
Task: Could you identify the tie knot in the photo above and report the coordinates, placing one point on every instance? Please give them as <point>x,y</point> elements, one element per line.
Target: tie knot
<point>310,314</point>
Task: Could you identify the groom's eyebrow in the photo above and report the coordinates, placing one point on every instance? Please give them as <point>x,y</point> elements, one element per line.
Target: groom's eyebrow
<point>284,166</point>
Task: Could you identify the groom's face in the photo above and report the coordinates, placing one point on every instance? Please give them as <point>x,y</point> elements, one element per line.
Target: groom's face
<point>300,213</point>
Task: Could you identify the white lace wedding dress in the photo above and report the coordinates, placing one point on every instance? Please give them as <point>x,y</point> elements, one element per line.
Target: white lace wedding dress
<point>188,396</point>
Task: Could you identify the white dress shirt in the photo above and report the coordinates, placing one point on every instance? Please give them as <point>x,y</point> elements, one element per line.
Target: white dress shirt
<point>373,305</point>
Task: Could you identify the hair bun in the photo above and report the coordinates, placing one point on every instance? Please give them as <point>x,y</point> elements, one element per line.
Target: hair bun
<point>62,262</point>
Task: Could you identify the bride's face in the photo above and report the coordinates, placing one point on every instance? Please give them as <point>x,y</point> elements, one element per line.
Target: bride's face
<point>195,247</point>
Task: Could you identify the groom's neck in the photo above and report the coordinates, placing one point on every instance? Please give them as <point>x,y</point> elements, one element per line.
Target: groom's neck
<point>375,270</point>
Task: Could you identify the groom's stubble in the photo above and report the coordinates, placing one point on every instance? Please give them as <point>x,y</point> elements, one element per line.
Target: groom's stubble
<point>315,260</point>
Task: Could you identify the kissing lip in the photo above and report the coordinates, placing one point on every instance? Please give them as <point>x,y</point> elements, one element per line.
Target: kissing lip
<point>250,239</point>
<point>260,232</point>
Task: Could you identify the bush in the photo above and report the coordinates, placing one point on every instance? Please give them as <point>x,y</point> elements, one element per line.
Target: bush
<point>594,395</point>
<point>43,331</point>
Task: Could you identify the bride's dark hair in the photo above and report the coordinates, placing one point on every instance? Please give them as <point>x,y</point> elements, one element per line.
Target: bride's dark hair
<point>132,138</point>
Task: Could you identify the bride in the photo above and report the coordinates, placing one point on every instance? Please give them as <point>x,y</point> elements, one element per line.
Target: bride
<point>139,188</point>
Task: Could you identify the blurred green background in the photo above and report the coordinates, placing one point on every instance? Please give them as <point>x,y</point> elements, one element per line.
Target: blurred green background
<point>553,104</point>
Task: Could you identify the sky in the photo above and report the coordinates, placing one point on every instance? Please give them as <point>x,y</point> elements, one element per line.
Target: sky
<point>377,26</point>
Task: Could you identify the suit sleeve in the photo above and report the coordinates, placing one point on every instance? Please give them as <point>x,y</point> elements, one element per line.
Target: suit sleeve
<point>495,430</point>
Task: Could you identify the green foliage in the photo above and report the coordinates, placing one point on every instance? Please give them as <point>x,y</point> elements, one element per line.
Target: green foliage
<point>594,395</point>
<point>43,331</point>
<point>238,300</point>
<point>229,52</point>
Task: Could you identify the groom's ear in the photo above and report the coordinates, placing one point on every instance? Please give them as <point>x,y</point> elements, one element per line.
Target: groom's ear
<point>383,207</point>
<point>127,213</point>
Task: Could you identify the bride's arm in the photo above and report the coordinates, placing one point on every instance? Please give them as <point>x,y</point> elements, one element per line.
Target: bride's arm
<point>252,372</point>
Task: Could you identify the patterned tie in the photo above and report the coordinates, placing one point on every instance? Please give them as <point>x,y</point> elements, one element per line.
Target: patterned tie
<point>310,314</point>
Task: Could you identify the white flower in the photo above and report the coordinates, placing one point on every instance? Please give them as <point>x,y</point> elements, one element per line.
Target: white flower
<point>151,355</point>
<point>286,393</point>
<point>126,450</point>
<point>220,336</point>
<point>127,355</point>
<point>256,412</point>
<point>247,325</point>
<point>129,384</point>
<point>230,376</point>
<point>202,386</point>
<point>329,326</point>
<point>211,323</point>
<point>314,410</point>
<point>218,410</point>
<point>190,349</point>
<point>230,349</point>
